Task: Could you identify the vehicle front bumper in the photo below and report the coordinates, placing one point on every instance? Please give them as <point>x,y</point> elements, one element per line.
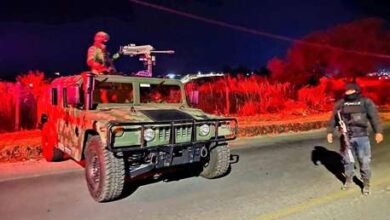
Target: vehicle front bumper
<point>217,133</point>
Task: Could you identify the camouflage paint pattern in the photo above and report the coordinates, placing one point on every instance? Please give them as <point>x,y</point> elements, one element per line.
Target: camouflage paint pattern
<point>72,124</point>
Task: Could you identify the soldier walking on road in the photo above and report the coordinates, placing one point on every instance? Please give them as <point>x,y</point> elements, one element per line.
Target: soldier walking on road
<point>98,58</point>
<point>356,111</point>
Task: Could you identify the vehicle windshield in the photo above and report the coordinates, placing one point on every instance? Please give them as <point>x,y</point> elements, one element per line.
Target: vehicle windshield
<point>113,92</point>
<point>160,93</point>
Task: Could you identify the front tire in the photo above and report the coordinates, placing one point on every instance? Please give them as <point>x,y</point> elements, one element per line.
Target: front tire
<point>105,173</point>
<point>218,163</point>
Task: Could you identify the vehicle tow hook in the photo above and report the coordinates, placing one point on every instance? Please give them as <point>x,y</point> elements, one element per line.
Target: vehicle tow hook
<point>234,158</point>
<point>204,152</point>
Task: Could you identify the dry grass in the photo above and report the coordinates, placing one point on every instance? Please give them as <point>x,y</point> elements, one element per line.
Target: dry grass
<point>20,146</point>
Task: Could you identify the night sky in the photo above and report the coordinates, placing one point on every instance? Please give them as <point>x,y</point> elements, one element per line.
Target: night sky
<point>53,36</point>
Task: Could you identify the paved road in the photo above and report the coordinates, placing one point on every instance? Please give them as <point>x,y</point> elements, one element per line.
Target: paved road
<point>274,179</point>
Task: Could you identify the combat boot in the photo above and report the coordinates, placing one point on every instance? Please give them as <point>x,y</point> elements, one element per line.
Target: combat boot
<point>366,187</point>
<point>347,184</point>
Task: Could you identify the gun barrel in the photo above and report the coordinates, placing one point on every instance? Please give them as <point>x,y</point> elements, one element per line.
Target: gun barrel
<point>163,51</point>
<point>341,122</point>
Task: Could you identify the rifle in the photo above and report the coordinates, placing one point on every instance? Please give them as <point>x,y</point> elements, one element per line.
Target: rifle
<point>344,133</point>
<point>109,62</point>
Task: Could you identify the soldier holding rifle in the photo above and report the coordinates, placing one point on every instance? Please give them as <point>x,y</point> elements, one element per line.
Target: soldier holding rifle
<point>98,58</point>
<point>352,116</point>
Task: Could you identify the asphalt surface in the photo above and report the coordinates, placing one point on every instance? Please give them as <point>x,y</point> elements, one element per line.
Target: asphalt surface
<point>275,178</point>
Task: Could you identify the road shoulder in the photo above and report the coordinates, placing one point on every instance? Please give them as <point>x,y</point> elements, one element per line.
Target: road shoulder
<point>35,168</point>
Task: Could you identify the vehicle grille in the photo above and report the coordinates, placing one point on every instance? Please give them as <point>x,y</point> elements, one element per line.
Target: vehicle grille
<point>183,134</point>
<point>164,134</point>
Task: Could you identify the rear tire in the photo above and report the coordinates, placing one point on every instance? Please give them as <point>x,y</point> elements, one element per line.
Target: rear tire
<point>218,163</point>
<point>104,173</point>
<point>48,142</point>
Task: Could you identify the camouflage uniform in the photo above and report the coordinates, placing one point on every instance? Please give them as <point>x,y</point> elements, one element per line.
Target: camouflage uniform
<point>97,57</point>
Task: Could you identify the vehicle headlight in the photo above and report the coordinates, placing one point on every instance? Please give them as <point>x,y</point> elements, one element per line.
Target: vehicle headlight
<point>204,130</point>
<point>149,134</point>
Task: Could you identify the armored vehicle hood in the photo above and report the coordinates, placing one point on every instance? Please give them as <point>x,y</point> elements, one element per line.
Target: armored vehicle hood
<point>147,113</point>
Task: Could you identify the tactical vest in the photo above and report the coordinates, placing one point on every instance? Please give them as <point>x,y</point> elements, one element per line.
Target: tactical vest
<point>354,114</point>
<point>99,56</point>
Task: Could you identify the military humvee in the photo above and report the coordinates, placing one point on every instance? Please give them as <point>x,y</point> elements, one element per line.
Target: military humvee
<point>123,127</point>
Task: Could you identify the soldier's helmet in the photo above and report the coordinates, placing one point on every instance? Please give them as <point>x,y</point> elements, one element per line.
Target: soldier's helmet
<point>101,37</point>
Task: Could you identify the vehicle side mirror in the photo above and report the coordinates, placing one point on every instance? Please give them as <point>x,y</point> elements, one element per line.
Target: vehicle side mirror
<point>44,119</point>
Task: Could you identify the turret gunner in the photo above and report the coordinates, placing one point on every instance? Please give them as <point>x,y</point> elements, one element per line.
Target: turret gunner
<point>98,58</point>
